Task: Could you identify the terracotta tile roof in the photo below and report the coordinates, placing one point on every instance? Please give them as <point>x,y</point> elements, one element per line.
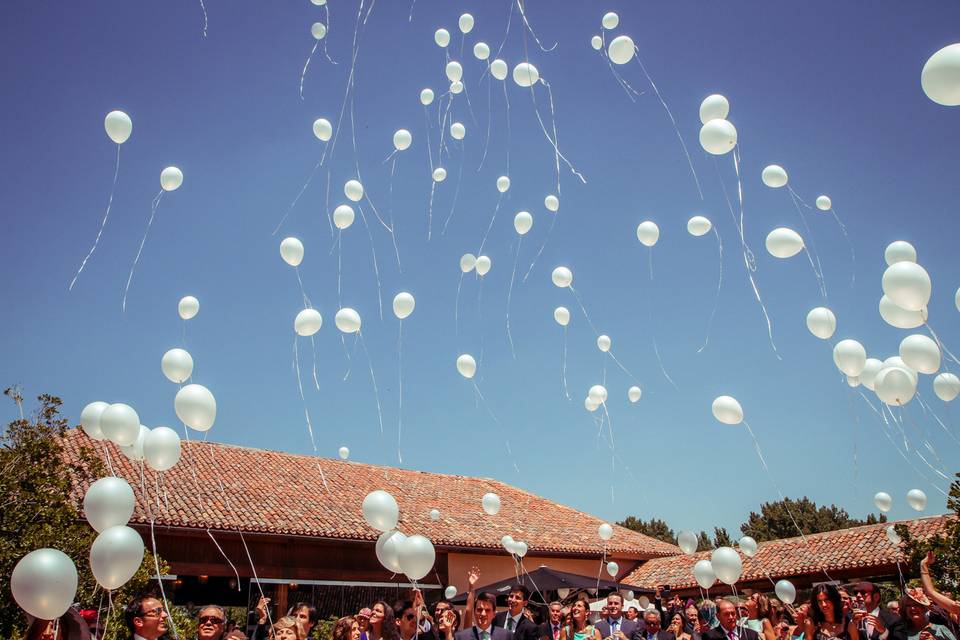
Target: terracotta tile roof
<point>281,493</point>
<point>847,549</point>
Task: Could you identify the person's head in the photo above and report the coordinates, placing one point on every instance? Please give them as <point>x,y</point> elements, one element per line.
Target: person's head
<point>306,613</point>
<point>825,604</point>
<point>518,599</point>
<point>604,611</point>
<point>405,616</point>
<point>287,628</point>
<point>556,612</point>
<point>870,594</point>
<point>652,620</point>
<point>614,605</point>
<point>363,618</point>
<point>146,617</point>
<point>210,622</point>
<point>759,606</point>
<point>40,629</point>
<point>381,613</point>
<point>727,614</point>
<point>578,614</point>
<point>346,628</point>
<point>894,606</point>
<point>632,613</point>
<point>677,620</point>
<point>691,613</point>
<point>439,608</point>
<point>484,608</point>
<point>914,606</point>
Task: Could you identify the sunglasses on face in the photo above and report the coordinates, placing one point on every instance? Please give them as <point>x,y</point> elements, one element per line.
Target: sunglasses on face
<point>210,620</point>
<point>410,616</point>
<point>153,613</point>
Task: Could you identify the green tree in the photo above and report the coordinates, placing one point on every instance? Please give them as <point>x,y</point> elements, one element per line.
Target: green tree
<point>36,489</point>
<point>654,527</point>
<point>776,519</point>
<point>721,538</point>
<point>946,570</point>
<point>703,542</point>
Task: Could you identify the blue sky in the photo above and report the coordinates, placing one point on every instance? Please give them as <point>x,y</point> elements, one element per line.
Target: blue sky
<point>831,91</point>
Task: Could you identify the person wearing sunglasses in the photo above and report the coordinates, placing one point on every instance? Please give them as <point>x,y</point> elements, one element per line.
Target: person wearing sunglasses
<point>210,623</point>
<point>406,614</point>
<point>146,618</point>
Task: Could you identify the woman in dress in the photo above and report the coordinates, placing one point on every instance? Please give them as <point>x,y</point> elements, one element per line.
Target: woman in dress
<point>758,616</point>
<point>578,629</point>
<point>382,625</point>
<point>826,620</point>
<point>914,606</point>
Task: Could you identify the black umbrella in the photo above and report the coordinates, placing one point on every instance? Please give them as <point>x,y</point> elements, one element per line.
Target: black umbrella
<point>547,579</point>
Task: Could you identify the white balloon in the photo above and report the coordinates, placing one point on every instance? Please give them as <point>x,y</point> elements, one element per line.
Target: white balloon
<point>634,393</point>
<point>498,69</point>
<point>388,550</point>
<point>196,407</point>
<point>450,592</point>
<point>403,304</point>
<point>899,251</point>
<point>850,357</point>
<point>727,410</point>
<point>188,307</point>
<point>507,542</point>
<point>481,51</point>
<point>853,381</point>
<point>380,510</point>
<point>590,405</point>
<point>920,353</point>
<point>291,250</point>
<point>177,365</point>
<point>687,541</point>
<point>466,365</point>
<point>343,216</point>
<point>870,370</point>
<point>714,107</point>
<point>604,342</point>
<point>109,502</point>
<point>648,233</point>
<point>465,23</point>
<point>610,20</point>
<point>439,174</point>
<point>134,451</point>
<point>402,140</point>
<point>907,284</point>
<point>596,42</point>
<point>824,204</point>
<point>613,569</point>
<point>598,393</point>
<point>170,179</point>
<point>44,583</point>
<point>347,320</point>
<point>946,386</point>
<point>956,299</point>
<point>483,265</point>
<point>893,536</point>
<point>434,514</point>
<point>897,361</point>
<point>940,77</point>
<point>120,423</point>
<point>467,262</point>
<point>748,546</point>
<point>322,129</point>
<point>726,565</point>
<point>917,499</point>
<point>605,531</point>
<point>698,226</point>
<point>307,322</point>
<point>441,37</point>
<point>318,30</point>
<point>90,419</point>
<point>621,50</point>
<point>353,190</point>
<point>784,243</point>
<point>718,136</point>
<point>785,591</point>
<point>552,203</point>
<point>703,574</point>
<point>523,222</point>
<point>774,176</point>
<point>454,71</point>
<point>161,448</point>
<point>562,277</point>
<point>525,74</point>
<point>900,318</point>
<point>503,184</point>
<point>458,131</point>
<point>894,386</point>
<point>319,3</point>
<point>520,548</point>
<point>562,316</point>
<point>426,97</point>
<point>416,556</point>
<point>821,322</point>
<point>883,501</point>
<point>119,126</point>
<point>115,556</point>
<point>343,452</point>
<point>490,503</point>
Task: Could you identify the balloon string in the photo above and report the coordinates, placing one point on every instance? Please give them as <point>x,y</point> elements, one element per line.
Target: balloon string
<point>306,411</point>
<point>389,227</point>
<point>456,196</point>
<point>153,212</point>
<point>326,12</point>
<point>613,446</point>
<point>653,334</point>
<point>376,268</point>
<point>530,29</point>
<point>300,193</point>
<point>433,188</point>
<point>486,142</point>
<point>373,379</point>
<point>553,223</point>
<point>513,275</point>
<point>506,99</point>
<point>203,8</point>
<point>350,81</point>
<point>586,315</point>
<point>426,116</point>
<point>853,253</point>
<point>456,306</point>
<point>106,453</point>
<point>818,268</point>
<point>937,419</point>
<point>629,90</point>
<point>490,225</point>
<point>480,315</point>
<point>673,120</point>
<point>400,390</point>
<point>563,365</point>
<point>940,344</point>
<point>256,579</point>
<point>96,241</point>
<point>926,443</point>
<point>554,141</point>
<point>303,74</point>
<point>716,299</point>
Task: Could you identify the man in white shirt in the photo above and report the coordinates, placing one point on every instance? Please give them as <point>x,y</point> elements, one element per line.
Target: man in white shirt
<point>146,618</point>
<point>484,607</point>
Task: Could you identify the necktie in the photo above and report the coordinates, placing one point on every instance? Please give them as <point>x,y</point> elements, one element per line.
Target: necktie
<point>614,626</point>
<point>509,624</point>
<point>485,635</point>
<point>556,633</point>
<point>732,634</point>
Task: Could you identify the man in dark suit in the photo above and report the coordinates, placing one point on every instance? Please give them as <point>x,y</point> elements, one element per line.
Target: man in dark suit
<point>728,629</point>
<point>874,622</point>
<point>651,630</point>
<point>146,618</point>
<point>616,626</point>
<point>484,607</point>
<point>550,630</point>
<point>513,619</point>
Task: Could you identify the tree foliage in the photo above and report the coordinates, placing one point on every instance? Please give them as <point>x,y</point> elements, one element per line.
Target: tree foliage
<point>780,519</point>
<point>945,571</point>
<point>660,530</point>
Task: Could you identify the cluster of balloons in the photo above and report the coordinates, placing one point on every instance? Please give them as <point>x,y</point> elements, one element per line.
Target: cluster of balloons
<point>718,136</point>
<point>117,552</point>
<point>469,262</point>
<point>411,555</point>
<point>916,498</point>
